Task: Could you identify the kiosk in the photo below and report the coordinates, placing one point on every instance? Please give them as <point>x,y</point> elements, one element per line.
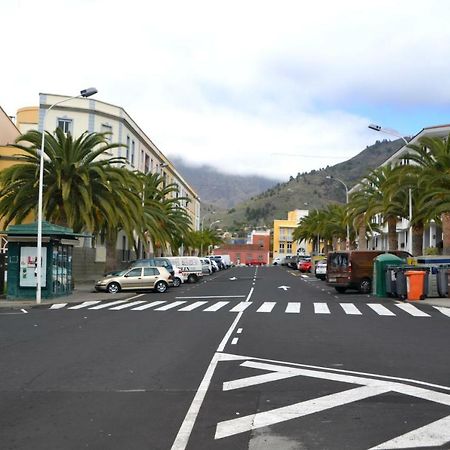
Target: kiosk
<point>57,248</point>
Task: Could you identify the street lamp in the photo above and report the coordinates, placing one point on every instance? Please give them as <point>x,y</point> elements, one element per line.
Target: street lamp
<point>201,229</point>
<point>84,93</point>
<point>395,133</point>
<point>347,240</point>
<point>212,223</point>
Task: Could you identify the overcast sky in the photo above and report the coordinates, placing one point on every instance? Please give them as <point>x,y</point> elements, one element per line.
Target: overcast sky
<point>268,88</point>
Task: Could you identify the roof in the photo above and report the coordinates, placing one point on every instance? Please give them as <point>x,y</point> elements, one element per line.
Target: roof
<point>48,229</point>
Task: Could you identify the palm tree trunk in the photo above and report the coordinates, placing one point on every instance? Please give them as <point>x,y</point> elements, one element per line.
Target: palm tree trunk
<point>362,241</point>
<point>111,256</point>
<point>392,233</point>
<point>417,239</point>
<point>445,218</point>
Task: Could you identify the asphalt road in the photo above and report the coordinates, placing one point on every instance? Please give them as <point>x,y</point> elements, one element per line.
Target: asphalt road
<point>249,359</point>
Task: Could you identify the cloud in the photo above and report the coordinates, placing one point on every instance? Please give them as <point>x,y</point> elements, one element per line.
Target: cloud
<point>249,87</point>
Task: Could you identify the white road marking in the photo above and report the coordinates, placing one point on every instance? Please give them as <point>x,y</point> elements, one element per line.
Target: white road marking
<point>149,305</point>
<point>182,438</point>
<point>84,304</point>
<point>127,305</point>
<point>433,435</point>
<point>350,308</point>
<point>266,307</point>
<point>192,306</point>
<point>58,305</point>
<point>293,307</point>
<point>411,309</point>
<point>267,418</point>
<point>199,297</point>
<point>321,308</point>
<point>170,306</point>
<point>107,305</point>
<point>380,309</point>
<point>234,341</point>
<point>239,331</point>
<point>216,306</point>
<point>240,307</point>
<point>443,310</point>
<point>24,311</point>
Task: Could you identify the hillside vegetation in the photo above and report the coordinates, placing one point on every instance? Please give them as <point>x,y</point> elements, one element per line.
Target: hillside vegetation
<point>256,201</point>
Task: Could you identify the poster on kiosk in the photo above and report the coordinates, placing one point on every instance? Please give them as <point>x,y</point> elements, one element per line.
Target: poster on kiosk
<point>28,267</point>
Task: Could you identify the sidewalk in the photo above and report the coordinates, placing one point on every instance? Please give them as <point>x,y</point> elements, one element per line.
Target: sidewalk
<point>82,292</point>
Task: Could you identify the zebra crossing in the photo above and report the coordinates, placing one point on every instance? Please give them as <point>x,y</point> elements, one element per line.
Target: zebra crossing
<point>317,308</point>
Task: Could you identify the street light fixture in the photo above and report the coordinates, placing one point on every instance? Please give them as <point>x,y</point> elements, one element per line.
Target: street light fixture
<point>84,93</point>
<point>395,133</point>
<point>347,240</point>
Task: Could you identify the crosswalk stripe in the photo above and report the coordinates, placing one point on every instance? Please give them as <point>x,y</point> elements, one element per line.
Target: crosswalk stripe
<point>443,310</point>
<point>242,306</point>
<point>107,305</point>
<point>85,304</point>
<point>192,306</point>
<point>321,308</point>
<point>170,306</point>
<point>293,308</point>
<point>216,306</point>
<point>266,307</point>
<point>380,309</point>
<point>411,309</point>
<point>350,308</point>
<point>58,305</point>
<point>127,305</point>
<point>148,305</point>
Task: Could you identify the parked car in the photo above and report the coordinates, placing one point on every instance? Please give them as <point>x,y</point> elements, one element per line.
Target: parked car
<point>157,261</point>
<point>177,277</point>
<point>292,261</point>
<point>190,266</point>
<point>321,269</point>
<point>206,266</point>
<point>225,259</point>
<point>136,278</point>
<point>354,269</point>
<point>304,265</point>
<point>214,266</point>
<point>279,260</point>
<point>218,260</point>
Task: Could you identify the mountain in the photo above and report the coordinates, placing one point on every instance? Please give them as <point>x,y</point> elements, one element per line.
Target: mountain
<point>220,190</point>
<point>307,190</point>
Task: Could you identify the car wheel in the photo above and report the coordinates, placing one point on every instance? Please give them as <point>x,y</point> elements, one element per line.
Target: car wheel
<point>365,286</point>
<point>340,289</point>
<point>161,287</point>
<point>176,282</point>
<point>192,278</point>
<point>113,288</point>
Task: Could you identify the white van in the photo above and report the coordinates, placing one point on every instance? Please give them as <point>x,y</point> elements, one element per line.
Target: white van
<point>226,260</point>
<point>190,266</point>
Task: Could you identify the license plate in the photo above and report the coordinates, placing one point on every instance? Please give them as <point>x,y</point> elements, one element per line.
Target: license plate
<point>332,280</point>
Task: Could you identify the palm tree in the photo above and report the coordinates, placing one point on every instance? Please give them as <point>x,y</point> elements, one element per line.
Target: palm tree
<point>165,223</point>
<point>79,186</point>
<point>383,200</point>
<point>432,158</point>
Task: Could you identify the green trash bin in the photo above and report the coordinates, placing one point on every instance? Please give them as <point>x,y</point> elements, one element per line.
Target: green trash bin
<point>380,264</point>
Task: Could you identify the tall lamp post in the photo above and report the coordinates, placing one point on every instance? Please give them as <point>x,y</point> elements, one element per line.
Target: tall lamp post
<point>201,229</point>
<point>379,128</point>
<point>347,240</point>
<point>84,93</point>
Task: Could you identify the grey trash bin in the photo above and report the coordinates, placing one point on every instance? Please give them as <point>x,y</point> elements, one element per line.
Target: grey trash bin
<point>401,285</point>
<point>442,281</point>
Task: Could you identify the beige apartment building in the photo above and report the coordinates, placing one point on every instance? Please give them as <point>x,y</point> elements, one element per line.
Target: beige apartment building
<point>77,115</point>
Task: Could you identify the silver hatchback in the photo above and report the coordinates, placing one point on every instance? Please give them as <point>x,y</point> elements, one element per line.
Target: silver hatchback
<point>136,278</point>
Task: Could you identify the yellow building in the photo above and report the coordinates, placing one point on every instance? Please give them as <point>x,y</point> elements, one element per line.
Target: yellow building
<point>283,243</point>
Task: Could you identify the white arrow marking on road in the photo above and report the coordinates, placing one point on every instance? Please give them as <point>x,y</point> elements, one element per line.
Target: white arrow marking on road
<point>285,288</point>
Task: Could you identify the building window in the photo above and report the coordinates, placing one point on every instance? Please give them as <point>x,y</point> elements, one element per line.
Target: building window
<point>124,248</point>
<point>128,149</point>
<point>147,164</point>
<point>108,130</point>
<point>133,148</point>
<point>281,247</point>
<point>289,247</point>
<point>65,125</point>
